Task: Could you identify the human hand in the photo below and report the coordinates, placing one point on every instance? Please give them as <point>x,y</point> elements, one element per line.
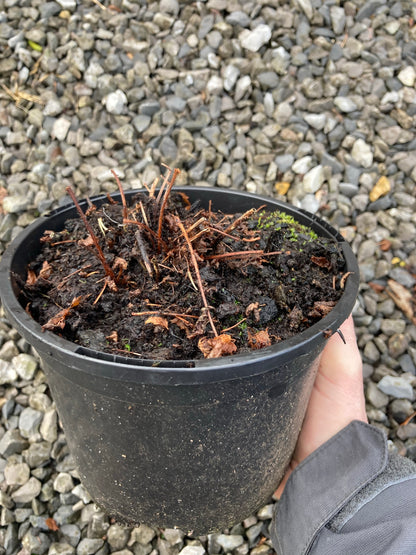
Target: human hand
<point>337,397</point>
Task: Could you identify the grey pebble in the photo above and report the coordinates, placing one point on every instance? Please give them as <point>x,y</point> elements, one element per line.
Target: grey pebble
<point>29,422</point>
<point>27,492</point>
<point>396,386</point>
<point>117,536</point>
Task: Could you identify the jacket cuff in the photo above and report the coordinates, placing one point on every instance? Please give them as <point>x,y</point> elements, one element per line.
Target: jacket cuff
<point>324,482</point>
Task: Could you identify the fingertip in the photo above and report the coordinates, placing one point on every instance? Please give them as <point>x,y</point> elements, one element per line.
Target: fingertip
<point>342,349</point>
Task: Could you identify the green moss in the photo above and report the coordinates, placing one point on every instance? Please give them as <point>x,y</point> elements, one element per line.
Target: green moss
<point>278,219</point>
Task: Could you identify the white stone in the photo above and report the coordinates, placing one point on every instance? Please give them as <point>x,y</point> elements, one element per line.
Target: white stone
<point>242,86</point>
<point>215,85</point>
<point>310,203</point>
<point>407,76</point>
<point>103,173</point>
<point>192,550</point>
<point>303,165</point>
<point>345,104</point>
<point>391,96</point>
<point>255,39</point>
<point>306,7</point>
<point>116,102</point>
<point>67,4</point>
<point>60,128</point>
<point>392,27</point>
<point>337,19</point>
<point>314,179</point>
<point>317,121</point>
<point>27,492</point>
<point>231,74</point>
<point>7,373</point>
<point>362,154</point>
<point>25,365</point>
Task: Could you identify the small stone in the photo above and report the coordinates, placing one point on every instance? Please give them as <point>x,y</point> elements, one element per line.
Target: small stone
<point>375,396</point>
<point>362,154</point>
<point>407,76</point>
<point>116,102</point>
<point>398,344</point>
<point>307,8</point>
<point>238,18</point>
<point>67,4</point>
<point>396,386</point>
<point>49,427</point>
<point>230,76</point>
<point>317,121</point>
<point>391,326</point>
<point>406,431</point>
<point>192,550</point>
<point>61,549</point>
<point>71,534</point>
<point>63,483</point>
<point>52,108</point>
<point>89,546</point>
<point>12,443</point>
<point>253,40</point>
<point>268,79</point>
<point>401,409</point>
<point>16,474</point>
<point>60,129</point>
<point>29,422</point>
<point>168,149</point>
<point>141,123</point>
<point>25,365</point>
<point>229,542</point>
<point>303,165</point>
<point>14,204</point>
<point>282,187</point>
<point>27,492</point>
<point>337,19</point>
<point>37,454</point>
<point>242,87</point>
<point>125,134</point>
<point>314,179</point>
<point>143,534</point>
<point>149,107</point>
<point>371,353</point>
<point>345,104</point>
<point>381,188</point>
<point>117,536</point>
<point>8,374</point>
<point>90,148</point>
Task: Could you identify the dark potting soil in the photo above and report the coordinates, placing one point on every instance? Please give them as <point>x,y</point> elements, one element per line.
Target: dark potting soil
<point>174,281</point>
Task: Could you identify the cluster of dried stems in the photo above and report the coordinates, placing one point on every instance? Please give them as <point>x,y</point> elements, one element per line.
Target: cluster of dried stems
<point>149,223</point>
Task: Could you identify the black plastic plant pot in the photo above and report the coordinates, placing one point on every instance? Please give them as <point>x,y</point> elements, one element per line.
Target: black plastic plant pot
<point>197,444</point>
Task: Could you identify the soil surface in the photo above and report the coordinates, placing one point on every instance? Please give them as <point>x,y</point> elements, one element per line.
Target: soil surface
<point>174,281</point>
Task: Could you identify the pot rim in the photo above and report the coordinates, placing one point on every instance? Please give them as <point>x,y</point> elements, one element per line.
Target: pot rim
<point>181,372</point>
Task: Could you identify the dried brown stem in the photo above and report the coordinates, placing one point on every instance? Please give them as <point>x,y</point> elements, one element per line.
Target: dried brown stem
<point>165,180</point>
<point>101,256</point>
<point>163,313</point>
<point>176,171</point>
<point>143,252</point>
<point>235,224</point>
<point>198,275</point>
<point>241,253</point>
<point>245,239</point>
<point>123,198</point>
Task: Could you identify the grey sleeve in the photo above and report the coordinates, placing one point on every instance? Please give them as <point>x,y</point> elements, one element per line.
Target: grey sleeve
<point>349,497</point>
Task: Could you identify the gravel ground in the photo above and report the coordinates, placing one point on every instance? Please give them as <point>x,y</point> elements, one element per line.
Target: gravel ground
<point>311,101</point>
